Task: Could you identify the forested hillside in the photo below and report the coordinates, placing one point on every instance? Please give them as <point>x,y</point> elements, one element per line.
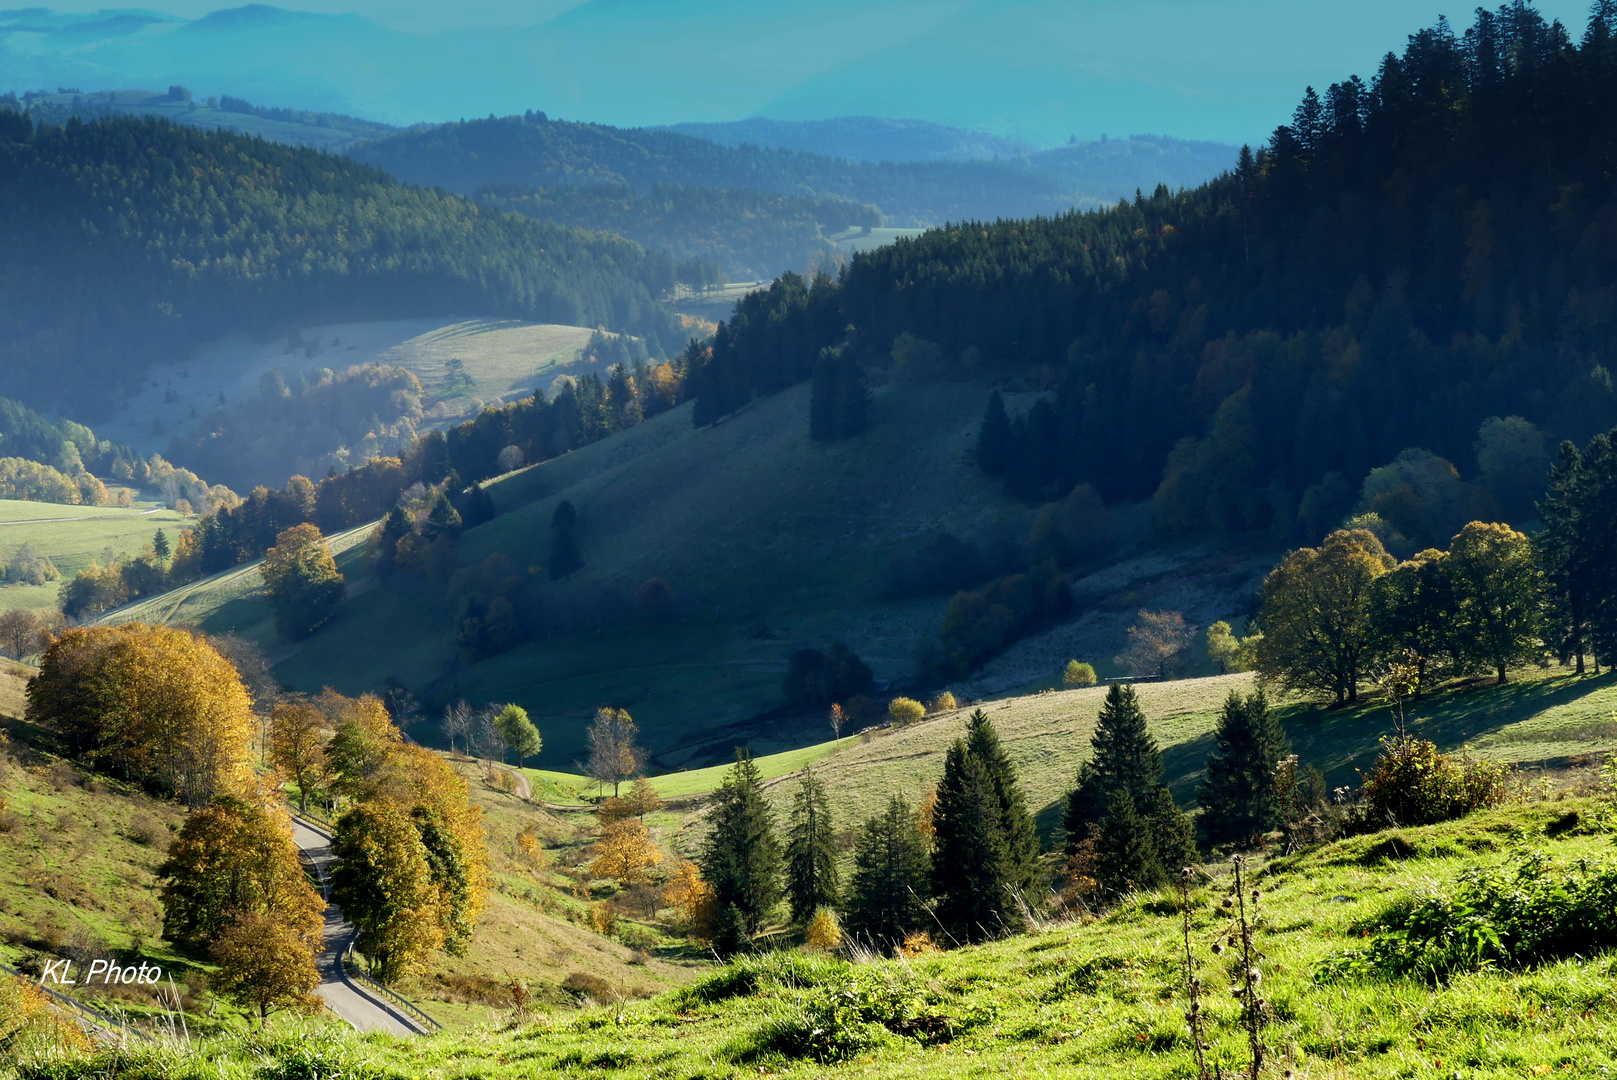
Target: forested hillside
<point>132,239</point>
<point>1410,256</point>
<point>748,235</point>
<point>533,150</point>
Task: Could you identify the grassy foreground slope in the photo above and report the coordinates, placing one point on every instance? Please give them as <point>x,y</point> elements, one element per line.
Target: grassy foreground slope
<point>1090,998</point>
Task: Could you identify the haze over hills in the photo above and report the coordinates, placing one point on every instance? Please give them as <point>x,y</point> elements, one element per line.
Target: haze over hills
<point>1028,70</point>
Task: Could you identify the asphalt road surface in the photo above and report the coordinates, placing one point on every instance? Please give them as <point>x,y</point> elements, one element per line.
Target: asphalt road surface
<point>345,999</point>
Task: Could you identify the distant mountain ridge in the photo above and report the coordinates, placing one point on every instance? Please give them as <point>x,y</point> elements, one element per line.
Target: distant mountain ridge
<point>535,151</point>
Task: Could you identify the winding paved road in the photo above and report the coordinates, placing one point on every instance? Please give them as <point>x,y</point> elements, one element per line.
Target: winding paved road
<point>342,997</point>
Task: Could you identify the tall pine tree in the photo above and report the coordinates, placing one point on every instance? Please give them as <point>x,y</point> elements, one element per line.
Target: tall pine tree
<point>974,875</point>
<point>565,559</point>
<point>1021,837</point>
<point>994,437</point>
<point>811,851</point>
<point>740,858</point>
<point>1126,761</point>
<point>887,896</point>
<point>1238,797</point>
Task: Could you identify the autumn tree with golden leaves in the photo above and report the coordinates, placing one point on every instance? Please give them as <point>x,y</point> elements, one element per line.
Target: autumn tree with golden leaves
<point>152,704</point>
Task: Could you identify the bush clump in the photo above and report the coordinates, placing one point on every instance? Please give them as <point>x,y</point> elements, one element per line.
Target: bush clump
<point>1413,784</point>
<point>1078,674</point>
<point>903,710</point>
<point>1515,915</point>
<point>859,1010</point>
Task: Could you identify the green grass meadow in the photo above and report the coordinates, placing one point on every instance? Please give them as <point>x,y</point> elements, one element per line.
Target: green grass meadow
<point>72,537</point>
<point>1091,997</point>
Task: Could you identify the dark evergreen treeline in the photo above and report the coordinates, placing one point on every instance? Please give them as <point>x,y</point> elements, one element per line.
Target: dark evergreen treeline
<point>751,234</point>
<point>131,239</point>
<point>1410,256</point>
<point>534,151</point>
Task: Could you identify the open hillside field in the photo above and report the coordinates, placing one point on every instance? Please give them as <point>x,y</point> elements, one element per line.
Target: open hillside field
<point>1090,998</point>
<point>856,240</point>
<point>784,548</point>
<point>74,536</point>
<point>1542,722</point>
<point>230,601</point>
<point>501,356</point>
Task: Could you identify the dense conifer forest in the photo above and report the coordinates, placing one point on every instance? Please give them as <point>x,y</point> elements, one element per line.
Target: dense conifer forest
<point>1410,256</point>
<point>749,233</point>
<point>533,150</point>
<point>129,240</point>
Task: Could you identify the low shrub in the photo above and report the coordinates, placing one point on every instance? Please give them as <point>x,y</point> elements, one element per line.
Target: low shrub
<point>944,702</point>
<point>865,1007</point>
<point>585,985</point>
<point>1514,915</point>
<point>903,710</point>
<point>1413,784</point>
<point>1078,674</point>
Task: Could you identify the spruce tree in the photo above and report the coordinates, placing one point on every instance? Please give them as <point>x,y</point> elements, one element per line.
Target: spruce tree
<point>1021,837</point>
<point>973,875</point>
<point>1125,855</point>
<point>443,519</point>
<point>887,896</point>
<point>740,858</point>
<point>1238,797</point>
<point>1125,758</point>
<point>1127,762</point>
<point>811,853</point>
<point>994,437</point>
<point>564,557</point>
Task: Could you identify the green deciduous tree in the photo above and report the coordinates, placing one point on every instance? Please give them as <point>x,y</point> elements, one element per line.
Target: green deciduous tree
<point>517,732</point>
<point>1497,589</point>
<point>1318,634</point>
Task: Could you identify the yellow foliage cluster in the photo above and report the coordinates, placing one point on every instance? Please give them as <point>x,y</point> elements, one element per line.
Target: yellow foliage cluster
<point>824,932</point>
<point>27,1022</point>
<point>150,703</point>
<point>917,944</point>
<point>693,901</point>
<point>414,876</point>
<point>625,852</point>
<point>903,710</point>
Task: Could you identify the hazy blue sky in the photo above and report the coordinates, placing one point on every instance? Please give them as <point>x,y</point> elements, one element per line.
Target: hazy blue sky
<point>1038,70</point>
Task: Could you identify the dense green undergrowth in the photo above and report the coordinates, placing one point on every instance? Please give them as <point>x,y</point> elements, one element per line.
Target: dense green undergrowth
<point>1103,997</point>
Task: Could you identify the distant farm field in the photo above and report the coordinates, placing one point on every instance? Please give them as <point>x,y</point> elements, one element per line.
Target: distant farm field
<point>500,356</point>
<point>74,536</point>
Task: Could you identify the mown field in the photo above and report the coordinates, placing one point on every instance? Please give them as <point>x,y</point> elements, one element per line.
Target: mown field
<point>1091,997</point>
<point>74,536</point>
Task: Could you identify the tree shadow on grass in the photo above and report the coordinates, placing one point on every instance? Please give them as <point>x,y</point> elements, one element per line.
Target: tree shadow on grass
<point>1343,743</point>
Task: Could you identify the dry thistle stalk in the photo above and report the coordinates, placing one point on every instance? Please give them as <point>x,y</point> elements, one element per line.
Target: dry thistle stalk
<point>1242,936</point>
<point>1193,986</point>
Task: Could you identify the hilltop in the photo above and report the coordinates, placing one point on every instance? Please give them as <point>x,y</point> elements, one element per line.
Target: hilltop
<point>329,240</point>
<point>532,150</point>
